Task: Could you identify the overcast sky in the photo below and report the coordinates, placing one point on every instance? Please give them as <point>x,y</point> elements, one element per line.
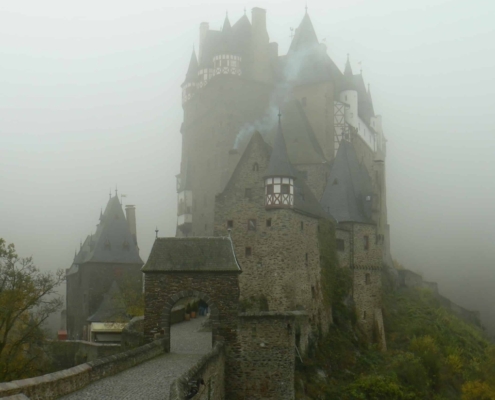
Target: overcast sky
<point>90,99</point>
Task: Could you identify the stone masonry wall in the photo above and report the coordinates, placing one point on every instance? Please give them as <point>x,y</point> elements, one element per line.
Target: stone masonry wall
<point>283,265</point>
<point>267,361</point>
<point>210,368</point>
<point>317,177</point>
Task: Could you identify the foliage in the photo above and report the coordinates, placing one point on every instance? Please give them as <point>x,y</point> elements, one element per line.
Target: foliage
<point>130,296</point>
<point>336,281</point>
<point>27,298</point>
<point>431,355</point>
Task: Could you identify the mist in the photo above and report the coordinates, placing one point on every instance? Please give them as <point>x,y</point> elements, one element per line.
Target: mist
<point>90,101</point>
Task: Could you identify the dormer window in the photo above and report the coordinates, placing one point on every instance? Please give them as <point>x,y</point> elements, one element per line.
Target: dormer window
<point>256,167</point>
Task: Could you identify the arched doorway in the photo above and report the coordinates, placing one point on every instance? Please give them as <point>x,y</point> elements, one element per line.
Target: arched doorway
<point>190,334</point>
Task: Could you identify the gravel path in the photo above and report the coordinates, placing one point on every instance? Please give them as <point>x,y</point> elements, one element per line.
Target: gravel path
<point>151,380</point>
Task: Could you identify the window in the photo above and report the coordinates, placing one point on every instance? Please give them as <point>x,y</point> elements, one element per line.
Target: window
<point>364,315</point>
<point>285,189</point>
<point>302,225</point>
<point>248,251</point>
<point>366,242</point>
<point>306,258</point>
<point>251,225</point>
<point>304,101</point>
<point>313,293</point>
<point>268,222</point>
<point>367,279</point>
<point>256,167</point>
<point>230,224</point>
<point>269,189</point>
<point>340,245</point>
<point>248,193</point>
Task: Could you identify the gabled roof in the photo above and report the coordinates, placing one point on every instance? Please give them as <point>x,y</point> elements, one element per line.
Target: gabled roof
<point>348,195</point>
<point>214,254</point>
<point>279,164</point>
<point>305,35</point>
<point>192,70</point>
<point>302,145</point>
<point>113,241</point>
<point>112,307</point>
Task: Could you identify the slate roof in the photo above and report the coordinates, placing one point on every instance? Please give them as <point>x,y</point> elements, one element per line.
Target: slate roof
<point>279,164</point>
<point>302,145</point>
<point>215,254</point>
<point>112,242</point>
<point>192,70</point>
<point>305,201</point>
<point>112,307</point>
<point>348,195</point>
<point>305,35</point>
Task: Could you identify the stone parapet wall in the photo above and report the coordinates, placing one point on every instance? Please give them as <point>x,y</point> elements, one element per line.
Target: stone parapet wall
<point>211,369</point>
<point>410,279</point>
<point>69,353</point>
<point>57,384</point>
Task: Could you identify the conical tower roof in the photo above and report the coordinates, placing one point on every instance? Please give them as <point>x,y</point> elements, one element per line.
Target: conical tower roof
<point>192,70</point>
<point>279,164</point>
<point>305,35</point>
<point>348,194</point>
<point>227,28</point>
<point>348,69</point>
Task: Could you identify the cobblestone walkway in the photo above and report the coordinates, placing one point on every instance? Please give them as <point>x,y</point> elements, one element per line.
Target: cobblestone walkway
<point>151,380</point>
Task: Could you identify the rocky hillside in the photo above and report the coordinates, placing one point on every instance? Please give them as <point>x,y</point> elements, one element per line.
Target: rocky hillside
<point>431,354</point>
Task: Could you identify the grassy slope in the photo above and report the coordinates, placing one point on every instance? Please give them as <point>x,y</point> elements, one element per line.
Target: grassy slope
<point>431,355</point>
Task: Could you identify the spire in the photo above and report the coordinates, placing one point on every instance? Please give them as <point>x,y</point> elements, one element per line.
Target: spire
<point>348,69</point>
<point>227,28</point>
<point>305,36</point>
<point>101,215</point>
<point>192,71</point>
<point>279,164</point>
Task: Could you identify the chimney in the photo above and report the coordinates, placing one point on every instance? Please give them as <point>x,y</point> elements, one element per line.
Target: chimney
<point>258,18</point>
<point>130,214</point>
<point>203,29</point>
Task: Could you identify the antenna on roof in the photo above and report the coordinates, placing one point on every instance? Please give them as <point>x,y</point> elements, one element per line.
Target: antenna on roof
<point>244,10</point>
<point>110,193</point>
<point>306,8</point>
<point>156,232</point>
<point>116,193</point>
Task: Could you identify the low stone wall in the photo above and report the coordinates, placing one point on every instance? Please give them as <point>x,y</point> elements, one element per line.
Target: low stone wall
<point>210,368</point>
<point>57,384</point>
<point>69,353</point>
<point>411,279</point>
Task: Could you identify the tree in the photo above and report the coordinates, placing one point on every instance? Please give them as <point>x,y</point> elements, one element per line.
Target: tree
<point>27,297</point>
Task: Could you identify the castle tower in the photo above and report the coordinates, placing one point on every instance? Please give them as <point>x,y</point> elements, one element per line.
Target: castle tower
<point>109,255</point>
<point>279,178</point>
<point>191,81</point>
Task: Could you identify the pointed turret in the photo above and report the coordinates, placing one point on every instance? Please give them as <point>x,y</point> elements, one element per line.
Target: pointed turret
<point>348,70</point>
<point>372,110</point>
<point>189,85</point>
<point>279,178</point>
<point>192,70</point>
<point>227,28</point>
<point>305,36</point>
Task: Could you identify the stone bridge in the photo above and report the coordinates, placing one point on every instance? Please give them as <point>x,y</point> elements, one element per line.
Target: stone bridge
<point>191,356</point>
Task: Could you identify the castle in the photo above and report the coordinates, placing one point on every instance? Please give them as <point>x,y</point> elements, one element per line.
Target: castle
<point>271,146</point>
<point>275,149</point>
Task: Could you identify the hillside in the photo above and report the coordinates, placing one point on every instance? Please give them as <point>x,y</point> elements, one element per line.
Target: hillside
<point>431,354</point>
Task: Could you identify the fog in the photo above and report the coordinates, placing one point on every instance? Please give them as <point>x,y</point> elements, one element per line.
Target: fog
<point>90,99</point>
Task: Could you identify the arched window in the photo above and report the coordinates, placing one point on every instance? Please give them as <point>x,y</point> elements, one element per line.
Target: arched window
<point>256,167</point>
<point>367,279</point>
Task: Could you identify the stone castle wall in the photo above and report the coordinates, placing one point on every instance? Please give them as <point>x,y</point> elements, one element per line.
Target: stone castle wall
<point>282,264</point>
<point>267,364</point>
